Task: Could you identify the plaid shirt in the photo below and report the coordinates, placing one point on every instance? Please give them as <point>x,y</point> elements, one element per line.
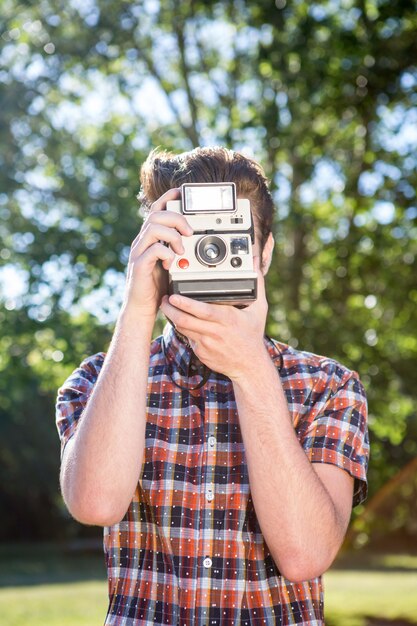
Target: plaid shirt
<point>189,551</point>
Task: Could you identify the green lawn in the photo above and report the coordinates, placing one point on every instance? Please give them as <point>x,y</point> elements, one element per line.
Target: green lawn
<point>351,598</point>
<point>45,585</point>
<point>372,590</point>
<point>48,586</point>
<point>63,604</point>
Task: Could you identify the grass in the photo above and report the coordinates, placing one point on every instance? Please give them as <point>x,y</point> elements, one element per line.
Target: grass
<point>50,586</point>
<point>62,604</point>
<point>377,597</point>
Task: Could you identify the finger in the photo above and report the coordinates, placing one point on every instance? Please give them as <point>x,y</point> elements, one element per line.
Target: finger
<point>202,310</point>
<point>171,219</point>
<point>165,218</point>
<point>154,253</point>
<point>154,233</point>
<point>159,205</point>
<point>189,325</point>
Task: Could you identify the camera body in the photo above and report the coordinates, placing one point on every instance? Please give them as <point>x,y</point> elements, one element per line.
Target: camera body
<point>217,265</point>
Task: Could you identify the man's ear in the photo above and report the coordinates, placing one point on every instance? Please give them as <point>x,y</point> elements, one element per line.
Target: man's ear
<point>267,254</point>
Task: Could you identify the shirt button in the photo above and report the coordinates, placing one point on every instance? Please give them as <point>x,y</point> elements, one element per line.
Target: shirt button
<point>212,441</point>
<point>207,562</point>
<point>209,494</point>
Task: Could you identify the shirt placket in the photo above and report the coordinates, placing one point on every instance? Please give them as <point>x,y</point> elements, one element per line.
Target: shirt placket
<point>207,504</point>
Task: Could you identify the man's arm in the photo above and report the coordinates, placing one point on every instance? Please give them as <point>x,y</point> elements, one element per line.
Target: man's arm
<point>303,508</point>
<point>101,463</point>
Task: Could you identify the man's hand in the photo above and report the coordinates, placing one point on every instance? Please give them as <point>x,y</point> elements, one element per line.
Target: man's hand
<point>102,462</point>
<point>223,337</point>
<point>149,257</point>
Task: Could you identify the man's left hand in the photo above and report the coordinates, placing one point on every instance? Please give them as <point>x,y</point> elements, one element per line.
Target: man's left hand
<point>226,339</point>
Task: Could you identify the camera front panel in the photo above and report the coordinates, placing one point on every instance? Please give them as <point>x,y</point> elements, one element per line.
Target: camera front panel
<point>238,220</point>
<point>228,252</point>
<point>217,263</point>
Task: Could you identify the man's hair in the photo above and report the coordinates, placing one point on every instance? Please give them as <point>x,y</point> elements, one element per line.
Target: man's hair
<point>163,170</point>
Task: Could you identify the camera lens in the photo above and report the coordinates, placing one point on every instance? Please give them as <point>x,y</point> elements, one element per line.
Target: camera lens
<point>211,250</point>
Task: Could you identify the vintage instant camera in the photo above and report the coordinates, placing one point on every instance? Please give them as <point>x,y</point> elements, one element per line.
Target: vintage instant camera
<point>217,265</point>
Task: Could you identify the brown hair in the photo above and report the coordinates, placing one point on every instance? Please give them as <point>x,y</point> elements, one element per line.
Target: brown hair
<point>163,170</point>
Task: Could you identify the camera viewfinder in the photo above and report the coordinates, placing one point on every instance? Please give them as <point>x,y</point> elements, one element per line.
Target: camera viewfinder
<point>239,245</point>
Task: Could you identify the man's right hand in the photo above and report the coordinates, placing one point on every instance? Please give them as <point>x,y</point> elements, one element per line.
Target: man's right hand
<point>149,258</point>
<point>101,464</point>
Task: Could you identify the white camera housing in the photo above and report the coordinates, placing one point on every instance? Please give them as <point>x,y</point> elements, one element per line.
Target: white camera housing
<point>217,264</point>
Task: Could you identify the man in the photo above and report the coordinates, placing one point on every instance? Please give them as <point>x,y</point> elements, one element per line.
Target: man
<point>222,464</point>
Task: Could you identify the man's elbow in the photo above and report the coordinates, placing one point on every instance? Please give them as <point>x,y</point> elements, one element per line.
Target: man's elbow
<point>90,504</point>
<point>90,509</point>
<point>94,514</point>
<point>302,567</point>
<point>298,574</point>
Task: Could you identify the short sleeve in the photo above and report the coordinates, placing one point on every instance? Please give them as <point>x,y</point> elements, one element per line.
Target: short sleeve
<point>338,433</point>
<point>72,397</point>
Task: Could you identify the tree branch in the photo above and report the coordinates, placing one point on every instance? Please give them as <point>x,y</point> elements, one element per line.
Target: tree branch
<point>154,72</point>
<point>185,71</point>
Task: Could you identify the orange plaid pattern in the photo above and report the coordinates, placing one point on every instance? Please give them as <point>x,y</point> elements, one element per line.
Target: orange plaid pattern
<point>189,551</point>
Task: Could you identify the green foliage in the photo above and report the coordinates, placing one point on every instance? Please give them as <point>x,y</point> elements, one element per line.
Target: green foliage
<point>390,516</point>
<point>324,94</point>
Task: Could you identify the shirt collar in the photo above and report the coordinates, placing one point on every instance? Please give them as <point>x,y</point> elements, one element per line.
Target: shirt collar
<point>275,349</point>
<point>184,367</point>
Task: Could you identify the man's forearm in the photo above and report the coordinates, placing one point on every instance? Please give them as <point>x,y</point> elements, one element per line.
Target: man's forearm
<point>102,463</point>
<point>296,513</point>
